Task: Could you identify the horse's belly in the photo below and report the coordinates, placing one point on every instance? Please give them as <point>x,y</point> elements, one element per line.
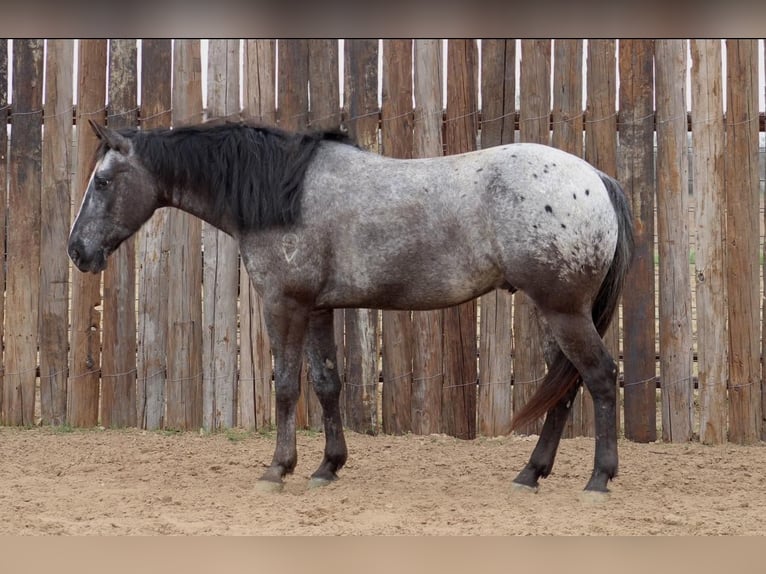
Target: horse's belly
<point>426,287</point>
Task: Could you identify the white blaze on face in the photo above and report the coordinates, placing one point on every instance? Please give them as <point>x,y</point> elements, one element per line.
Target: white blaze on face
<point>102,165</point>
<point>84,197</point>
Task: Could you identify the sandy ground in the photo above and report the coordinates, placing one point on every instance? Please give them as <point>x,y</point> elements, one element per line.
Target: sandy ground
<point>84,482</point>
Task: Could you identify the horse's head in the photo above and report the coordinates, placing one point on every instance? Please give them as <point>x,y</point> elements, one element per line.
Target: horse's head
<point>121,196</point>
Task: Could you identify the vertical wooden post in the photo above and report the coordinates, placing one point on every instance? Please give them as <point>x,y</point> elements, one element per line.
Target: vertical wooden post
<point>396,139</point>
<point>427,369</point>
<point>293,114</point>
<point>324,84</point>
<point>23,257</point>
<point>673,241</point>
<point>637,177</point>
<point>534,126</point>
<point>324,113</point>
<point>567,135</point>
<point>255,370</point>
<point>498,95</point>
<point>221,265</point>
<point>709,192</point>
<point>601,151</point>
<point>152,249</point>
<point>4,195</point>
<point>118,359</point>
<point>361,384</point>
<point>54,209</point>
<point>763,353</point>
<point>85,344</point>
<point>460,375</point>
<point>183,390</point>
<point>742,230</point>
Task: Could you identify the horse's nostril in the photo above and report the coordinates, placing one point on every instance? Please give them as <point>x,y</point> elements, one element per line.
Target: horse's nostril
<point>74,255</point>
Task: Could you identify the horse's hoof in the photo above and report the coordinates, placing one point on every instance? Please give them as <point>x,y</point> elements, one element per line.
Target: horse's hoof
<point>594,496</point>
<point>268,486</point>
<point>523,489</point>
<point>318,482</point>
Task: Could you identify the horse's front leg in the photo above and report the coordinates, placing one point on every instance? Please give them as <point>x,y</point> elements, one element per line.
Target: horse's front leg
<point>321,355</point>
<point>286,323</point>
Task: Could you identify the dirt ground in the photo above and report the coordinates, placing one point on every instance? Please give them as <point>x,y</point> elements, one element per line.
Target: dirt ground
<point>85,482</point>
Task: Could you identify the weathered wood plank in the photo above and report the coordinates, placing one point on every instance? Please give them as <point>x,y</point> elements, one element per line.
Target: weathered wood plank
<point>3,197</point>
<point>460,374</point>
<point>152,250</point>
<point>673,241</point>
<point>742,231</point>
<point>118,359</point>
<point>498,94</point>
<point>567,134</point>
<point>23,247</point>
<point>396,139</point>
<point>293,114</point>
<point>324,84</point>
<point>535,108</point>
<point>54,208</point>
<point>709,192</point>
<point>325,113</point>
<point>427,351</point>
<point>763,354</point>
<point>256,370</point>
<point>636,173</point>
<point>601,151</point>
<point>183,388</point>
<point>221,265</point>
<point>255,352</point>
<point>361,383</point>
<point>85,346</point>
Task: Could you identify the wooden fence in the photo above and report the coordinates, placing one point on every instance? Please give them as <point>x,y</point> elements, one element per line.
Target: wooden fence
<point>166,338</point>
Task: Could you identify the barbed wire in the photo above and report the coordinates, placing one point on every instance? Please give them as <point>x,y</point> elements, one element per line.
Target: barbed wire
<point>417,114</point>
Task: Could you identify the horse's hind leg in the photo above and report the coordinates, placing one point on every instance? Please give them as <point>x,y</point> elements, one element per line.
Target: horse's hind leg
<point>541,461</point>
<point>286,323</point>
<point>321,355</point>
<point>580,342</point>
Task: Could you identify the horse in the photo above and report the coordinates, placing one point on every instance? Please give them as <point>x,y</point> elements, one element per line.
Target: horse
<point>323,224</point>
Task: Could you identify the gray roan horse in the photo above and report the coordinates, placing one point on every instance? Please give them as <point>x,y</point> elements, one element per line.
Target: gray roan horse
<point>322,224</point>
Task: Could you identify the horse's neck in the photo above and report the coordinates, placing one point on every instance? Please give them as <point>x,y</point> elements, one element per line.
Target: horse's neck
<point>201,203</point>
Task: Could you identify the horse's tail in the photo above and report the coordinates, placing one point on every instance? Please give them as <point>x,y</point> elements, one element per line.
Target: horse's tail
<point>562,374</point>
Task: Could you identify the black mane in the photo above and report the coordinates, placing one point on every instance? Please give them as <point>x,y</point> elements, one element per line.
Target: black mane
<point>255,172</point>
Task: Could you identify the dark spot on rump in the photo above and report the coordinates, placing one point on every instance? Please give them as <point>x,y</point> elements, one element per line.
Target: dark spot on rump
<point>534,175</point>
<point>481,169</point>
<point>549,209</point>
<point>563,226</point>
<point>534,226</point>
<point>587,192</point>
<point>574,195</point>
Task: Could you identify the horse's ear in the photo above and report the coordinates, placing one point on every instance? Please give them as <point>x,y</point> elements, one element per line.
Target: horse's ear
<point>112,139</point>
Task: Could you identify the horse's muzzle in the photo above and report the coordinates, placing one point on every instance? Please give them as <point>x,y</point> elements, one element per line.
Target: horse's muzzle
<point>85,262</point>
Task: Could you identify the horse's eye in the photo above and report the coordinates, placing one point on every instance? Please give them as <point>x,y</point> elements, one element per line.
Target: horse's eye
<point>101,183</point>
